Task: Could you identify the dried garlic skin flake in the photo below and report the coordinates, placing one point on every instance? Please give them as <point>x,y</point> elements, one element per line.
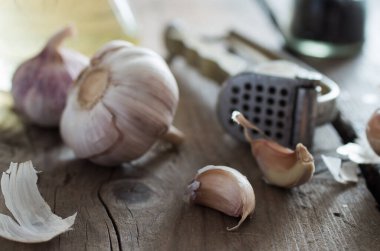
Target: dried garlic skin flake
<point>342,172</point>
<point>35,220</point>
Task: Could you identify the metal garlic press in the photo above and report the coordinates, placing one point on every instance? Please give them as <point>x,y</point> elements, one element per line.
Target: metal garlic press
<point>282,96</point>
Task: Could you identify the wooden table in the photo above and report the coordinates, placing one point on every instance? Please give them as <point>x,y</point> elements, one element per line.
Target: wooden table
<point>142,205</point>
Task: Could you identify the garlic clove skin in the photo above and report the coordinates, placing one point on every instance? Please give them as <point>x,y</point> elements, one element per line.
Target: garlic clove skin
<point>373,131</point>
<point>32,220</point>
<point>109,47</point>
<point>40,85</point>
<point>224,189</point>
<point>280,166</point>
<point>96,131</point>
<point>132,97</point>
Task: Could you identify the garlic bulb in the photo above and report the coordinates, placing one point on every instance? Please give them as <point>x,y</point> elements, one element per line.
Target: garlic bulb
<point>281,166</point>
<point>224,189</point>
<point>40,85</point>
<point>373,131</point>
<point>120,105</point>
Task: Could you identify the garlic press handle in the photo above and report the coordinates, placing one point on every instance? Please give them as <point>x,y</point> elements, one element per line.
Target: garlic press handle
<point>211,59</point>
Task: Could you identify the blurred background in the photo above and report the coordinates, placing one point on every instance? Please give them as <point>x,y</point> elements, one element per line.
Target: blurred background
<point>27,24</point>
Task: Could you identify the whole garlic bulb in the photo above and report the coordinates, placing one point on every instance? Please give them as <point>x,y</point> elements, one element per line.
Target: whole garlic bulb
<point>120,105</point>
<point>373,131</point>
<point>40,85</point>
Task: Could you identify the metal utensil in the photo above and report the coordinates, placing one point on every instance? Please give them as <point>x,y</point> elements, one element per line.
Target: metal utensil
<point>283,107</point>
<point>285,99</point>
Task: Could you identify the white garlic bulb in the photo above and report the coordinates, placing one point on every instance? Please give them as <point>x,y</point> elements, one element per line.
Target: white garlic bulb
<point>40,85</point>
<point>120,105</point>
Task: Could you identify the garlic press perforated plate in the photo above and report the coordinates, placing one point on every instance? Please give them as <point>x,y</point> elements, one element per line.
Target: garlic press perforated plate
<point>282,96</point>
<point>284,108</point>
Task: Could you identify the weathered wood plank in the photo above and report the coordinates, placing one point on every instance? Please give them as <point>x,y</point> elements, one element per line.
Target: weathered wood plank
<point>143,206</point>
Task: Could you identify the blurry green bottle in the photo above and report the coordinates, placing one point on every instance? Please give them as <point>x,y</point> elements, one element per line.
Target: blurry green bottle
<point>27,24</point>
<point>327,28</point>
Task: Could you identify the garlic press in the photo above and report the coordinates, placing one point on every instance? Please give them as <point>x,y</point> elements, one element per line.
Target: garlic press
<point>281,95</point>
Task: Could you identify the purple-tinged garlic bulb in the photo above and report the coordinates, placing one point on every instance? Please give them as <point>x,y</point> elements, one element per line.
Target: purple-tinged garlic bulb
<point>373,131</point>
<point>40,85</point>
<point>120,105</point>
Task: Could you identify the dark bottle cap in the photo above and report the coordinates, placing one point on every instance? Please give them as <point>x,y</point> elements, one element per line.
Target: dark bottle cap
<point>332,21</point>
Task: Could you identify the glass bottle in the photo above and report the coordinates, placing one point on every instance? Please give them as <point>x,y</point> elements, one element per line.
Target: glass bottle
<point>327,28</point>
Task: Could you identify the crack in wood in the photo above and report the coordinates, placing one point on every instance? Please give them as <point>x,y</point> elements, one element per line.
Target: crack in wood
<point>114,225</point>
<point>137,227</point>
<point>112,220</point>
<point>55,199</point>
<point>109,236</point>
<point>59,241</point>
<point>86,234</point>
<point>67,179</point>
<point>54,211</point>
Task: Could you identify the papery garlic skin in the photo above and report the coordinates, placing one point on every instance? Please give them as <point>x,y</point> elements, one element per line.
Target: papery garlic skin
<point>224,189</point>
<point>32,221</point>
<point>373,131</point>
<point>120,105</point>
<point>40,85</point>
<point>280,166</point>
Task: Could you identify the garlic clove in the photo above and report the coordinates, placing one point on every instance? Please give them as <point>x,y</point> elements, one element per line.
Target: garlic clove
<point>92,132</point>
<point>373,131</point>
<point>224,189</point>
<point>137,88</point>
<point>281,166</point>
<point>40,85</point>
<point>109,48</point>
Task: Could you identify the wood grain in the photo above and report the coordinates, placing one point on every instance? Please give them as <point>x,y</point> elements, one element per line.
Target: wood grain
<point>142,205</point>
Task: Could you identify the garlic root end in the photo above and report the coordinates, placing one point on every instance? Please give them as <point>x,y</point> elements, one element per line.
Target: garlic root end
<point>174,136</point>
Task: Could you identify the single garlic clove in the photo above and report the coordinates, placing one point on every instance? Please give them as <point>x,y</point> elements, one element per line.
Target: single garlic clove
<point>121,105</point>
<point>373,131</point>
<point>40,85</point>
<point>96,131</point>
<point>281,166</point>
<point>224,189</point>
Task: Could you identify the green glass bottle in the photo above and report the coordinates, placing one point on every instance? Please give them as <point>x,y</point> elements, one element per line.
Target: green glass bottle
<point>327,28</point>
